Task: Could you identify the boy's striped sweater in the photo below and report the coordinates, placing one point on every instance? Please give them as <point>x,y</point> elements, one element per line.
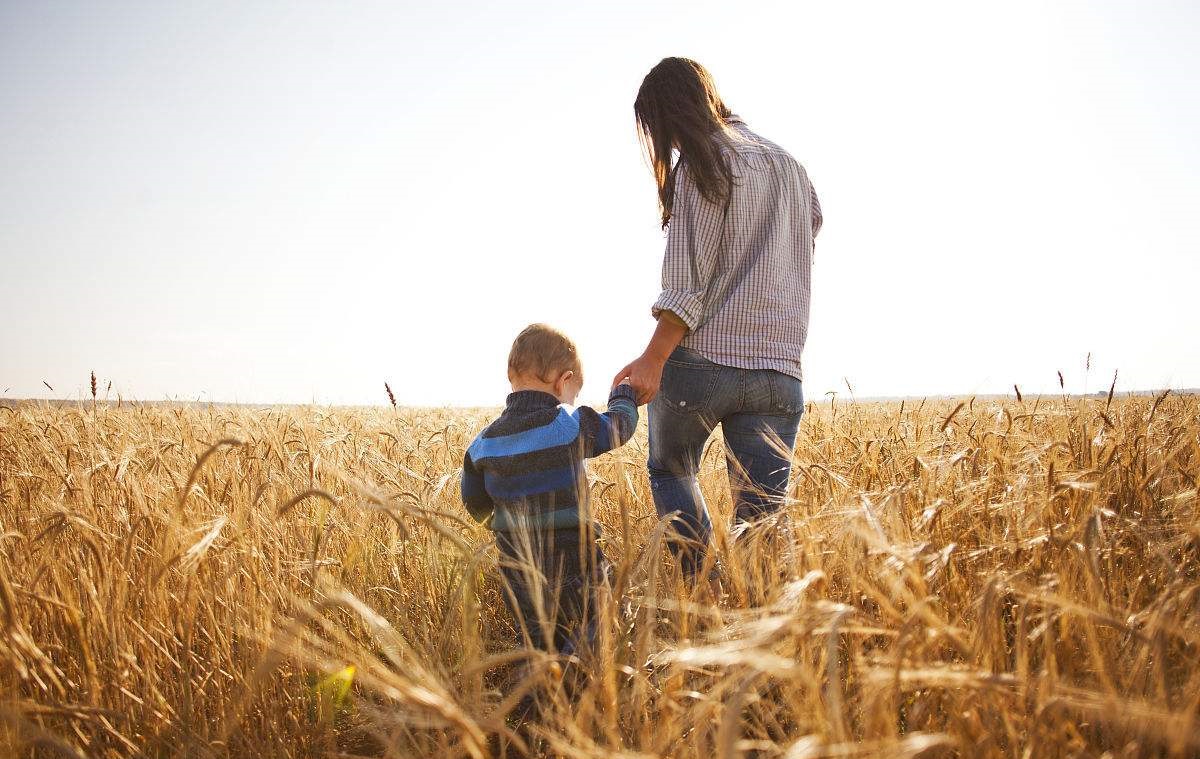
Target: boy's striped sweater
<point>526,469</point>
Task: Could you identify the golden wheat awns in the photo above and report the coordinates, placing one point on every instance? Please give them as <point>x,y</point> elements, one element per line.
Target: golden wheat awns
<point>992,578</point>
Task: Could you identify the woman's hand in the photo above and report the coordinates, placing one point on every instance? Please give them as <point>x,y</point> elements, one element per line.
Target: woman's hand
<point>645,372</point>
<point>644,375</point>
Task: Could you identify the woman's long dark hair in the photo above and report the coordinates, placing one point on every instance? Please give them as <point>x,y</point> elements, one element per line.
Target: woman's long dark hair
<point>678,108</point>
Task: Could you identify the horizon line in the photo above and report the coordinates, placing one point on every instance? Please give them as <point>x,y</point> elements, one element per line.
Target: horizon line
<point>12,402</point>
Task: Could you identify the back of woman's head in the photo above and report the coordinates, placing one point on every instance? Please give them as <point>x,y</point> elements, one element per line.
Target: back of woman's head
<point>678,108</point>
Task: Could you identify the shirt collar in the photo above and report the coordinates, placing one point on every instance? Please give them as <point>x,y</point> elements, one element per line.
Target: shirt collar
<point>530,400</point>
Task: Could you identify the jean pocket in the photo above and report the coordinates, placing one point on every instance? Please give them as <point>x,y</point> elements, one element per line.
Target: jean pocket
<point>787,394</point>
<point>686,387</point>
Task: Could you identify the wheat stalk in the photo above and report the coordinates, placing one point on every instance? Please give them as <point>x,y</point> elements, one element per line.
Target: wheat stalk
<point>987,577</point>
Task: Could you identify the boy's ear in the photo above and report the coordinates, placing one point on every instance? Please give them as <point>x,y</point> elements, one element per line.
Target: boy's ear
<point>561,383</point>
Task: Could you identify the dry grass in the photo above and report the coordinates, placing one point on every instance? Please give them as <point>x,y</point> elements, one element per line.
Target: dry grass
<point>996,580</point>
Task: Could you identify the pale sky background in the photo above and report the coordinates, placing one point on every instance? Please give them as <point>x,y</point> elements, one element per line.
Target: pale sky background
<point>295,201</point>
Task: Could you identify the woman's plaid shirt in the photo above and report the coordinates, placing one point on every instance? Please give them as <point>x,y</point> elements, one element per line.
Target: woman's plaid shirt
<point>739,272</point>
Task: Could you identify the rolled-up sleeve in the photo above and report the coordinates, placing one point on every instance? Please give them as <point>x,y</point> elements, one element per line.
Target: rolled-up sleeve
<point>693,249</point>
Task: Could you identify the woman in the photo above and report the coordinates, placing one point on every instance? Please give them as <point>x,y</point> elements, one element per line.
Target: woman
<point>740,216</point>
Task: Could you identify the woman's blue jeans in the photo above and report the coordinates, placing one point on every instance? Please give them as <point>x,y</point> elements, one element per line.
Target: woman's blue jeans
<point>759,412</point>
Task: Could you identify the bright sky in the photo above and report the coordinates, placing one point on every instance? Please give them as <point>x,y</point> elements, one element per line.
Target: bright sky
<point>297,201</point>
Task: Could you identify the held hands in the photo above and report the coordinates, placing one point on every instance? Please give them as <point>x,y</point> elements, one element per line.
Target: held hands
<point>644,375</point>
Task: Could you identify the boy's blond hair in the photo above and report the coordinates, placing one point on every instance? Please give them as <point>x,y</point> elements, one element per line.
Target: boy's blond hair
<point>544,352</point>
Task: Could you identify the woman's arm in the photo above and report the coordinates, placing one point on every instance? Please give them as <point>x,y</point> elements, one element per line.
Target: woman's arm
<point>692,252</point>
<point>645,372</point>
<point>815,204</point>
<point>693,249</point>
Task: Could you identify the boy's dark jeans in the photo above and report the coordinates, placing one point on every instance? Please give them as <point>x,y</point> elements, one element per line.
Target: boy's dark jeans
<point>569,565</point>
<point>562,582</point>
<point>759,413</point>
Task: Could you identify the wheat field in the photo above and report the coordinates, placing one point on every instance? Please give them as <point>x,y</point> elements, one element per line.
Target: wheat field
<point>991,578</point>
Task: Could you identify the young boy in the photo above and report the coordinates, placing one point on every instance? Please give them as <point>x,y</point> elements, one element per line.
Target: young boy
<point>525,476</point>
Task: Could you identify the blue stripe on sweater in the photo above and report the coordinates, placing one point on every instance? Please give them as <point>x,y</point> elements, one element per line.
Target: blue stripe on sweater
<point>562,430</point>
<point>517,486</point>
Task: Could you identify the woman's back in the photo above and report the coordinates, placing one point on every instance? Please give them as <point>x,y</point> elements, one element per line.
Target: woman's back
<point>753,251</point>
<point>732,316</point>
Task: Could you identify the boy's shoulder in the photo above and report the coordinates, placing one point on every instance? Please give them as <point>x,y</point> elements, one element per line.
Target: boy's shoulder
<point>511,422</point>
<point>498,427</point>
<point>511,433</point>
